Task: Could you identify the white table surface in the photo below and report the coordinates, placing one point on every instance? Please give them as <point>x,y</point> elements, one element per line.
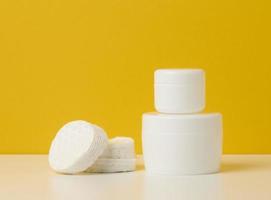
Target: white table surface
<point>243,177</point>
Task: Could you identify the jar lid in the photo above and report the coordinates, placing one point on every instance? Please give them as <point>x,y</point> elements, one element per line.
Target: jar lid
<point>179,76</point>
<point>181,123</point>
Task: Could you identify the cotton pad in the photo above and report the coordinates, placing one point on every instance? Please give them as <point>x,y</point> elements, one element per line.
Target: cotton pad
<point>76,147</point>
<point>104,165</point>
<point>120,148</point>
<point>119,156</point>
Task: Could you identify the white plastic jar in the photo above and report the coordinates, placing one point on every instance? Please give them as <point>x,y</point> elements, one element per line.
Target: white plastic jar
<point>177,144</point>
<point>179,90</point>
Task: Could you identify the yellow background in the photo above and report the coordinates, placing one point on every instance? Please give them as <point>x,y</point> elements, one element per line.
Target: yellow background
<point>63,60</point>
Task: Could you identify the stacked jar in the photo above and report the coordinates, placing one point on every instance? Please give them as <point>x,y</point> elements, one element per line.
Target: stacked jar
<point>179,139</point>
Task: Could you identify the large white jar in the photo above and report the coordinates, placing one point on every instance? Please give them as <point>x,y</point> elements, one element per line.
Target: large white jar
<point>178,144</point>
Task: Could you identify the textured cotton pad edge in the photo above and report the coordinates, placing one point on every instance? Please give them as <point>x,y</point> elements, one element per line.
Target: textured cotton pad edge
<point>113,165</point>
<point>120,148</point>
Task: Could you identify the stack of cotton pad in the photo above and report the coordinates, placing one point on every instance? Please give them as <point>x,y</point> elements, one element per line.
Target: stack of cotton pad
<point>118,157</point>
<point>81,146</point>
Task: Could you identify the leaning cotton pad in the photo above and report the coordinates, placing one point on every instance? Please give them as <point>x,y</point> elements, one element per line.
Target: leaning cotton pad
<point>103,165</point>
<point>120,148</point>
<point>76,147</point>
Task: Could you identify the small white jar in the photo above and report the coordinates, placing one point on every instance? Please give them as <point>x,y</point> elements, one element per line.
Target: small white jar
<point>175,144</point>
<point>179,90</point>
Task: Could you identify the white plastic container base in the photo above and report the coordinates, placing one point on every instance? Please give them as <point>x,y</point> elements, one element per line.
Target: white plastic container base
<point>179,90</point>
<point>175,144</point>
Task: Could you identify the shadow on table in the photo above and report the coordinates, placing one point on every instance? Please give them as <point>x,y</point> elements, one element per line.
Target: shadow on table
<point>228,166</point>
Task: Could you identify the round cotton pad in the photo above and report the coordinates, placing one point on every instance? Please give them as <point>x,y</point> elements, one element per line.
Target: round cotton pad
<point>76,147</point>
<point>119,148</point>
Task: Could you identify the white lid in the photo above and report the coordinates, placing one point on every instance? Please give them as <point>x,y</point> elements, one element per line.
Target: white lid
<point>179,76</point>
<point>174,123</point>
<point>76,147</point>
